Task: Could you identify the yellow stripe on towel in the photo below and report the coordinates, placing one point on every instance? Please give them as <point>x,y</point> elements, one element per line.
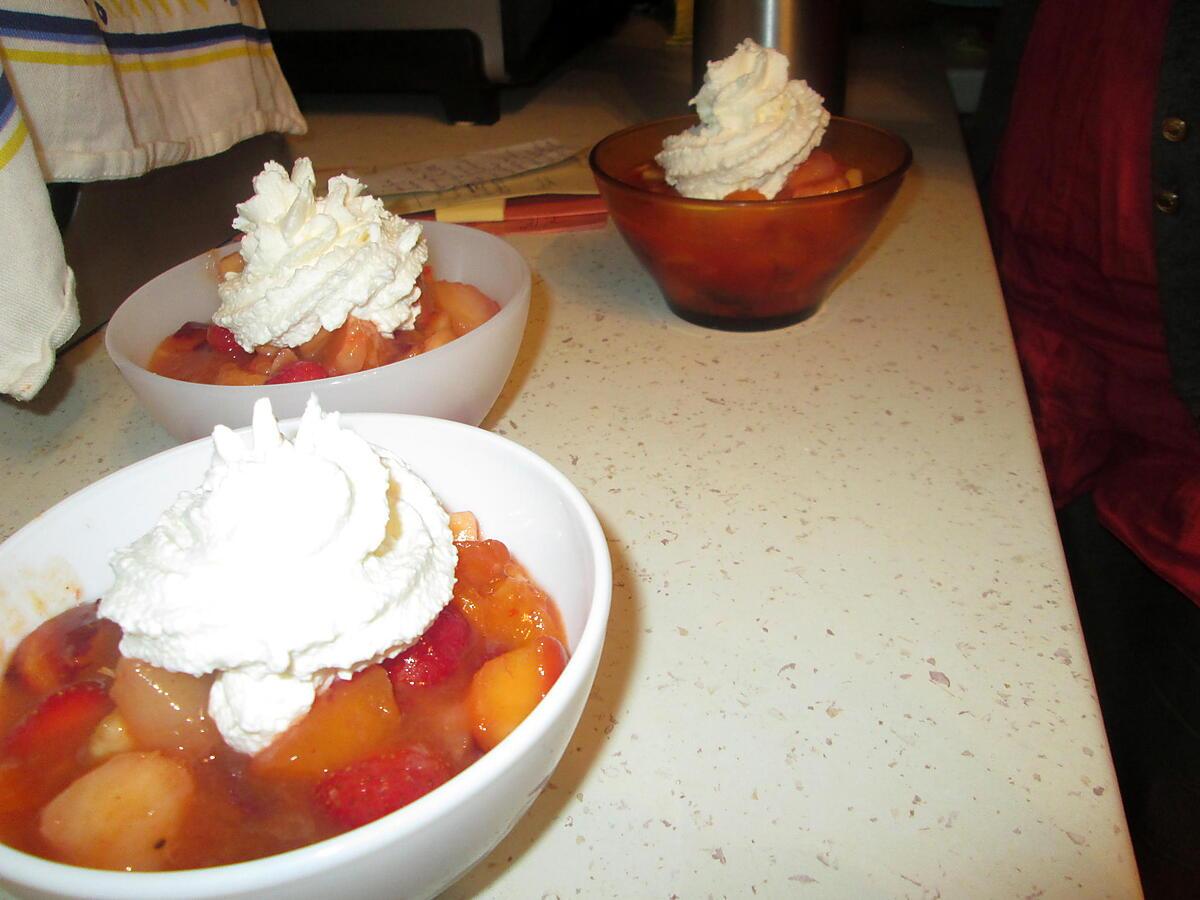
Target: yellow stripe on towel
<point>10,147</point>
<point>137,64</point>
<point>57,58</point>
<point>149,64</point>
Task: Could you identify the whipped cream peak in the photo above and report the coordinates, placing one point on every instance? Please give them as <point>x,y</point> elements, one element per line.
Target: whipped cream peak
<point>294,563</point>
<point>755,126</point>
<point>311,262</point>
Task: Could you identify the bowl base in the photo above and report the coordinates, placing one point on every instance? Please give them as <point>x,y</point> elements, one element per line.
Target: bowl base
<point>743,323</point>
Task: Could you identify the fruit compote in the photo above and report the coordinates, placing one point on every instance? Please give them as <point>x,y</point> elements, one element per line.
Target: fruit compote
<point>749,265</point>
<point>208,354</point>
<point>819,174</point>
<point>111,763</point>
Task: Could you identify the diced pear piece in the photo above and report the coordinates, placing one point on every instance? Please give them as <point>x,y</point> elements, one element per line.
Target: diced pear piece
<point>124,814</point>
<point>165,710</point>
<point>110,737</point>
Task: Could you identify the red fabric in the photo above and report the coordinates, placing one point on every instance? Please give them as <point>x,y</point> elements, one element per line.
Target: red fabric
<point>1072,230</point>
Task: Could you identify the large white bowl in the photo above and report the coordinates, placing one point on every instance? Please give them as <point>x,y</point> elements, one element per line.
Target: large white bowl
<point>458,381</point>
<point>62,556</point>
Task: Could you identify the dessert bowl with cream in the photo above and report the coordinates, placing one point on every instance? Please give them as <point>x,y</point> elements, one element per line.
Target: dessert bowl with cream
<point>329,294</point>
<point>299,679</point>
<point>746,212</point>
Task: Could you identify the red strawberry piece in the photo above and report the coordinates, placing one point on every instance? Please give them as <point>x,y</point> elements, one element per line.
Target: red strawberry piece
<point>61,721</point>
<point>222,340</point>
<point>436,655</point>
<point>299,371</point>
<point>64,648</point>
<point>364,791</point>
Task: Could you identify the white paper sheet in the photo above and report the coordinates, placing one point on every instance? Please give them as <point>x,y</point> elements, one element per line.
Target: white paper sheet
<point>437,175</point>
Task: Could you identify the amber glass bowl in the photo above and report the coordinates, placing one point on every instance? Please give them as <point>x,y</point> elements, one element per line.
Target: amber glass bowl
<point>748,265</point>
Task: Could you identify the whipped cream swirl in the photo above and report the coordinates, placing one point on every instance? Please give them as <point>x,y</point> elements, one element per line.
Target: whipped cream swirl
<point>312,262</point>
<point>755,127</point>
<point>294,563</point>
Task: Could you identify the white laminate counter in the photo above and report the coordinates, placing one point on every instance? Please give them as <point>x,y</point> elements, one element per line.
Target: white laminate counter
<point>843,659</point>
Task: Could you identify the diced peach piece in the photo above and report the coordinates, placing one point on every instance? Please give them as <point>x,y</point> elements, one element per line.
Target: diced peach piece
<point>464,526</point>
<point>466,305</point>
<point>352,720</point>
<point>650,172</point>
<point>233,374</point>
<point>407,343</point>
<point>282,360</point>
<point>165,710</point>
<point>481,563</point>
<point>497,597</point>
<point>506,689</point>
<point>745,194</point>
<point>312,348</point>
<point>350,348</point>
<point>819,174</point>
<point>269,359</point>
<point>124,814</point>
<point>820,166</point>
<point>520,610</point>
<point>64,648</point>
<point>438,339</point>
<point>433,318</point>
<point>229,264</point>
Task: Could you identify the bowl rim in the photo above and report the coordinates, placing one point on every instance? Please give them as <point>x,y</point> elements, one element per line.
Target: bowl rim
<point>35,872</point>
<point>519,301</point>
<point>610,181</point>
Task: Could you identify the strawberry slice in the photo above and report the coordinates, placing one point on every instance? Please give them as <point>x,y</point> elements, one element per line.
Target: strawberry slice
<point>222,340</point>
<point>299,371</point>
<point>367,790</point>
<point>61,722</point>
<point>436,655</point>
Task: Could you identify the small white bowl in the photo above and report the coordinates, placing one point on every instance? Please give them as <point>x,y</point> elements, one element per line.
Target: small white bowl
<point>62,557</point>
<point>458,381</point>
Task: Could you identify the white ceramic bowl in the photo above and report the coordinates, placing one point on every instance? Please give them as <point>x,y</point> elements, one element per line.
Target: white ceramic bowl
<point>62,556</point>
<point>458,381</point>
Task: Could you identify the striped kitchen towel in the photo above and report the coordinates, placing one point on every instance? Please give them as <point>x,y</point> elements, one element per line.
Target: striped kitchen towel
<point>37,288</point>
<point>102,89</point>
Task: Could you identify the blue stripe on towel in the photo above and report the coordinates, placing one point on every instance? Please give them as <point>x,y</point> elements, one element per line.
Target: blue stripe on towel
<point>13,132</point>
<point>189,39</point>
<point>8,103</point>
<point>65,30</point>
<point>36,26</point>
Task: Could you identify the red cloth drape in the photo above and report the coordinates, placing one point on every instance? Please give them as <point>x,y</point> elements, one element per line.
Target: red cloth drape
<point>1072,229</point>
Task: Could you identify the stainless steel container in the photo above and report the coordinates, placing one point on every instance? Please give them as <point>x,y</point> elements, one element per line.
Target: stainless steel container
<point>810,33</point>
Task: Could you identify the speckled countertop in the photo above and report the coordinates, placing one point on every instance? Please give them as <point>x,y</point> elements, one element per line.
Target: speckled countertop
<point>844,659</point>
